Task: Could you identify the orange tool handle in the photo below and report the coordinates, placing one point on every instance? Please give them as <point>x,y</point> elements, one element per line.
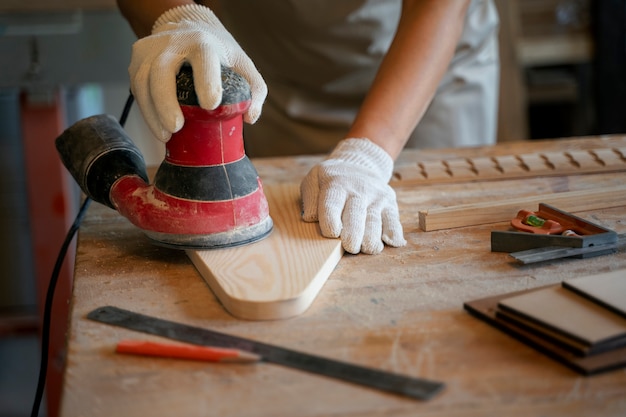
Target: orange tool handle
<point>180,351</point>
<point>550,227</point>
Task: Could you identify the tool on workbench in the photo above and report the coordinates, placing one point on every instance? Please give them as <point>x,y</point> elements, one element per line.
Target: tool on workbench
<point>417,388</point>
<point>206,193</point>
<point>550,233</point>
<point>185,351</point>
<point>529,221</point>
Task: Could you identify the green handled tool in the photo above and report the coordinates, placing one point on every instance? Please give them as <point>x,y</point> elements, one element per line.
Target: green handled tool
<point>416,388</point>
<point>550,233</point>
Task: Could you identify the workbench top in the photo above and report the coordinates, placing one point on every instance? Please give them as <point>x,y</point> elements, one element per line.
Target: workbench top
<point>400,311</point>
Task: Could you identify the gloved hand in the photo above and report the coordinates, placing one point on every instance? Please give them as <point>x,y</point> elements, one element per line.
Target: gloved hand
<point>187,34</point>
<point>348,193</point>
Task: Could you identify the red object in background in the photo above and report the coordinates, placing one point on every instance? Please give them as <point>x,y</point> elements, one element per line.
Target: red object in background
<point>52,211</point>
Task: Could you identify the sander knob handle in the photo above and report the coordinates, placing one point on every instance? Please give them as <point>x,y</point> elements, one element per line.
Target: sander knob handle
<point>235,88</point>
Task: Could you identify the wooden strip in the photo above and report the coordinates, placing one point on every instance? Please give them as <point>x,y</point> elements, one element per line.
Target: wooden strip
<point>485,167</point>
<point>275,278</point>
<point>534,162</point>
<point>560,161</point>
<point>435,170</point>
<point>510,164</point>
<point>608,157</point>
<point>411,172</point>
<point>573,162</point>
<point>494,211</point>
<point>460,168</point>
<point>584,159</point>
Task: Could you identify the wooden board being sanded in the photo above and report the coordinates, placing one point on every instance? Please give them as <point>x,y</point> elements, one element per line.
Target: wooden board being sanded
<point>279,276</point>
<point>500,211</point>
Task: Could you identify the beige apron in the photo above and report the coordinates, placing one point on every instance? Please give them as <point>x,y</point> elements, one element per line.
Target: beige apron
<point>319,58</point>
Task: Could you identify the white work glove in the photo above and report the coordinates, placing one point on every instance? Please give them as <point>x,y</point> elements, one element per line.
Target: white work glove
<point>348,193</point>
<point>187,34</point>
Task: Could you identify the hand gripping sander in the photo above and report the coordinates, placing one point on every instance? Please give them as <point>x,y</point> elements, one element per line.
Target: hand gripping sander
<point>206,193</point>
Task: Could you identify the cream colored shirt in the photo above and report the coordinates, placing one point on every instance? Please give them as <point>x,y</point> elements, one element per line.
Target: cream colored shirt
<point>320,57</point>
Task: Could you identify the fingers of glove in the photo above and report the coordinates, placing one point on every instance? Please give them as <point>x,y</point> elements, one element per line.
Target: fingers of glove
<point>140,87</point>
<point>372,243</point>
<point>354,218</point>
<point>162,86</point>
<point>258,89</point>
<point>392,233</point>
<point>309,192</point>
<point>207,76</point>
<point>331,202</point>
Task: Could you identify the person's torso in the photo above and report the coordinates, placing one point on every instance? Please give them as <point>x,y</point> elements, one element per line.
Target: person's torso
<point>320,57</point>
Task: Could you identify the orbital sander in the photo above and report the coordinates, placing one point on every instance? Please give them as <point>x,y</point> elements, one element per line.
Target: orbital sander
<point>206,193</point>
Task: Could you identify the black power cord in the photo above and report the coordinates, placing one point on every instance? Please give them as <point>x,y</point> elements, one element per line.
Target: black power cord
<point>47,313</point>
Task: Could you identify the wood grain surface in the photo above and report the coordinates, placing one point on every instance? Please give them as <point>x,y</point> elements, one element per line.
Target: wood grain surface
<point>400,311</point>
<point>497,210</point>
<point>566,312</point>
<point>279,276</point>
<point>608,289</point>
<point>521,165</point>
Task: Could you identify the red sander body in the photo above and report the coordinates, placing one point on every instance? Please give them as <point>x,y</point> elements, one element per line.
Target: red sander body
<point>206,193</point>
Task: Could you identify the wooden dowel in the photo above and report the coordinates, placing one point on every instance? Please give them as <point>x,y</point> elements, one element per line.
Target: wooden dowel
<point>500,211</point>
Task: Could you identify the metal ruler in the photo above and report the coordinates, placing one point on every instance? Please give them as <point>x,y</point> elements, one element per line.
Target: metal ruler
<point>557,252</point>
<point>416,388</point>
